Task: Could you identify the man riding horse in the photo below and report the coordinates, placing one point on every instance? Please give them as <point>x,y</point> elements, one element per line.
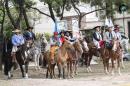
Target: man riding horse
<point>97,38</point>
<point>54,45</point>
<point>17,41</point>
<point>29,35</point>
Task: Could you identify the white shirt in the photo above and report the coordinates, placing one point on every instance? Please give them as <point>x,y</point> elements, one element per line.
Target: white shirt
<point>110,36</point>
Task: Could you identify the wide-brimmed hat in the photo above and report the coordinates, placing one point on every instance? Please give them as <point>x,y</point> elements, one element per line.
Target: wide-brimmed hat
<point>96,27</point>
<point>16,30</point>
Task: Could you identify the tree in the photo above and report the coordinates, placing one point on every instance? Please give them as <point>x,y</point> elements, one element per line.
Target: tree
<point>56,9</point>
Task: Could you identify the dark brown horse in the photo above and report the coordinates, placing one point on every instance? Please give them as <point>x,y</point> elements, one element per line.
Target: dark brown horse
<point>87,55</point>
<point>21,58</point>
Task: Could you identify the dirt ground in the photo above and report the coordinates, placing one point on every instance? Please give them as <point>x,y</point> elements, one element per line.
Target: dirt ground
<point>96,78</point>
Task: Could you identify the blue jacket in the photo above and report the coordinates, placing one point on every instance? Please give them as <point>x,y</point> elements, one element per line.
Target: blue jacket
<point>17,40</point>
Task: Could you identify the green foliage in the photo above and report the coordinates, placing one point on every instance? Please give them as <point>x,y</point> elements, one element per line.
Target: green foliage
<point>47,35</point>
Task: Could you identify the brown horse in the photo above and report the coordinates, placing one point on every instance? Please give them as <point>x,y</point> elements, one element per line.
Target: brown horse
<point>78,53</point>
<point>61,59</point>
<point>113,53</point>
<point>105,55</point>
<point>116,55</point>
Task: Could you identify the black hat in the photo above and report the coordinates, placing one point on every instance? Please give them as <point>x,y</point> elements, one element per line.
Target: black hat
<point>29,28</point>
<point>96,27</point>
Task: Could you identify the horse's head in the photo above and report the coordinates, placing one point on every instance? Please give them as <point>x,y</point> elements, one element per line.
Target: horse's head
<point>28,44</point>
<point>84,45</point>
<point>78,47</point>
<point>67,44</point>
<point>116,45</point>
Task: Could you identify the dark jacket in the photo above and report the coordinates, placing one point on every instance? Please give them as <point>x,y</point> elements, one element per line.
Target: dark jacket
<point>27,36</point>
<point>95,36</point>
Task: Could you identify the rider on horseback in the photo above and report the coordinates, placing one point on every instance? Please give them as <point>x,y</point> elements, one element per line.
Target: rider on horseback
<point>97,38</point>
<point>110,35</point>
<point>118,34</point>
<point>17,41</point>
<point>55,43</point>
<point>29,35</point>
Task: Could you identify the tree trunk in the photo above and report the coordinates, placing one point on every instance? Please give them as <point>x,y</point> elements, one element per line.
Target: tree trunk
<point>1,34</point>
<point>80,21</point>
<point>51,12</point>
<point>20,13</point>
<point>9,14</point>
<point>25,17</point>
<point>52,15</point>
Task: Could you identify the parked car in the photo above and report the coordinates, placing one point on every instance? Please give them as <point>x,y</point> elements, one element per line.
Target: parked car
<point>126,56</point>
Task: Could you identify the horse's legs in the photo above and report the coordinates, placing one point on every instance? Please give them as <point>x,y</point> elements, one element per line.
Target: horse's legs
<point>71,71</point>
<point>38,61</point>
<point>90,63</point>
<point>35,59</point>
<point>22,70</point>
<point>113,66</point>
<point>76,67</point>
<point>59,69</point>
<point>118,64</point>
<point>87,62</point>
<point>64,72</point>
<point>107,65</point>
<point>48,70</point>
<point>68,70</point>
<point>7,67</point>
<point>26,68</point>
<point>53,70</point>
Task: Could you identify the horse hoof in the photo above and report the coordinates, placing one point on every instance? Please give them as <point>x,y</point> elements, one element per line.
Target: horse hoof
<point>112,74</point>
<point>9,77</point>
<point>120,74</point>
<point>76,73</point>
<point>25,77</point>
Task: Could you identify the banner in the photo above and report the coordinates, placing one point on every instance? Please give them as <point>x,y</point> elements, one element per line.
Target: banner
<point>75,28</point>
<point>62,25</point>
<point>59,26</point>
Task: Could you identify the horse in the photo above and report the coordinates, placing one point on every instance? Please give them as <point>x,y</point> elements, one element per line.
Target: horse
<point>35,53</point>
<point>78,46</point>
<point>21,57</point>
<point>116,55</point>
<point>87,55</point>
<point>105,55</point>
<point>62,58</point>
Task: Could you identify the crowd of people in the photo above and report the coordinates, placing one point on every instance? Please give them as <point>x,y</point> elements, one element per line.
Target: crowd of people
<point>58,39</point>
